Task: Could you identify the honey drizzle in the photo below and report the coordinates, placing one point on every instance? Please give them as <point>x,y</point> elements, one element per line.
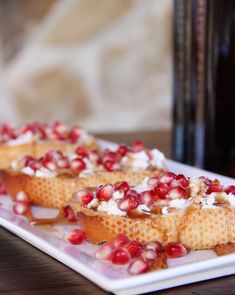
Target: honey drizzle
<point>39,221</point>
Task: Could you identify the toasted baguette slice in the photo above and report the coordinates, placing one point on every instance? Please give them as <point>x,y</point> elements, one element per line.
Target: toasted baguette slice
<point>195,228</point>
<point>55,192</point>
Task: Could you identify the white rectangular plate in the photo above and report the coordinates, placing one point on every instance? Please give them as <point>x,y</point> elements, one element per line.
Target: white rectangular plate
<point>196,266</point>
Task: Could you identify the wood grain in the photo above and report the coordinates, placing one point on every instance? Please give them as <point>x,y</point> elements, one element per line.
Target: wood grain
<point>25,270</point>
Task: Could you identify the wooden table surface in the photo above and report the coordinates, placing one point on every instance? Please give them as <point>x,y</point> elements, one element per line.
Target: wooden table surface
<point>26,270</point>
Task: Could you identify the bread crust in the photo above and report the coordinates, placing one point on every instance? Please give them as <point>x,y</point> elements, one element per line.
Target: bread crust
<point>196,228</point>
<point>55,192</point>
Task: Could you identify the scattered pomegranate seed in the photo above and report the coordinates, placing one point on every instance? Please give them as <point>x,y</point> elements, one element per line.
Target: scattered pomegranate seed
<point>161,189</point>
<point>105,251</point>
<point>110,165</point>
<point>138,266</point>
<point>133,193</point>
<point>21,208</point>
<point>148,254</point>
<point>166,177</point>
<point>134,248</point>
<point>120,256</point>
<point>105,192</point>
<point>78,164</point>
<point>215,188</point>
<point>137,146</point>
<point>152,182</point>
<point>178,193</point>
<point>127,203</point>
<point>122,186</point>
<point>75,237</point>
<point>74,134</point>
<point>81,151</point>
<point>69,214</point>
<point>230,189</point>
<point>154,245</point>
<point>22,197</point>
<point>120,240</point>
<point>110,156</point>
<point>122,150</point>
<point>84,197</point>
<point>175,250</point>
<point>147,198</point>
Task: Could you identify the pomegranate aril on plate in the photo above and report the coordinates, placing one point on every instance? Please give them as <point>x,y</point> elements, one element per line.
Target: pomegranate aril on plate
<point>69,214</point>
<point>148,254</point>
<point>21,208</point>
<point>122,150</point>
<point>105,251</point>
<point>134,248</point>
<point>166,177</point>
<point>78,164</point>
<point>147,198</point>
<point>22,197</point>
<point>120,256</point>
<point>120,240</point>
<point>105,192</point>
<point>137,146</point>
<point>178,193</point>
<point>122,186</point>
<point>75,236</point>
<point>154,245</point>
<point>138,266</point>
<point>175,250</point>
<point>84,197</point>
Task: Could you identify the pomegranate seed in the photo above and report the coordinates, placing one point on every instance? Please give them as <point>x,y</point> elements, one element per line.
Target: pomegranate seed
<point>21,208</point>
<point>154,245</point>
<point>148,254</point>
<point>120,256</point>
<point>111,165</point>
<point>134,248</point>
<point>178,193</point>
<point>74,134</point>
<point>63,163</point>
<point>69,214</point>
<point>25,161</point>
<point>166,177</point>
<point>78,164</point>
<point>230,189</point>
<point>127,203</point>
<point>184,182</point>
<point>84,197</point>
<point>137,146</point>
<point>49,164</point>
<point>138,266</point>
<point>120,240</point>
<point>147,198</point>
<point>22,197</point>
<point>152,182</point>
<point>206,180</point>
<point>35,165</point>
<point>75,237</point>
<point>161,189</point>
<point>81,151</point>
<point>133,193</point>
<point>105,192</point>
<point>122,150</point>
<point>215,188</point>
<point>122,186</point>
<point>105,251</point>
<point>175,250</point>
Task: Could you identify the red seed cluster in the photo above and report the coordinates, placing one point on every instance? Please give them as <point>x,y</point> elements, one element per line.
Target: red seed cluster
<point>139,257</point>
<point>55,131</point>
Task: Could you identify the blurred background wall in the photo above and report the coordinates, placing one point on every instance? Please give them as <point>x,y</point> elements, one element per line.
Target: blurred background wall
<point>105,64</point>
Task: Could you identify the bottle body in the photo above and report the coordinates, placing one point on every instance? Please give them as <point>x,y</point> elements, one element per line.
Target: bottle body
<point>204,84</point>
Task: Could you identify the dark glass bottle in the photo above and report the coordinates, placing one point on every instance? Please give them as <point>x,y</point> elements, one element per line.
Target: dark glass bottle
<point>204,84</point>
